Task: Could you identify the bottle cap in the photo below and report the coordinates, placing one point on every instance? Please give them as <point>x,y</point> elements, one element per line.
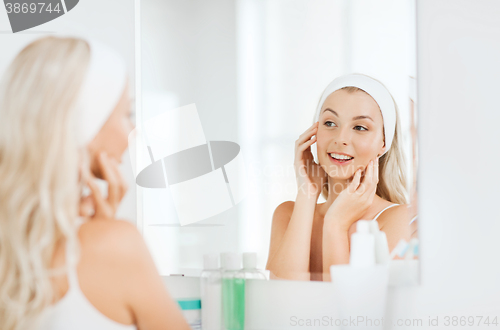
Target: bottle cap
<point>363,226</point>
<point>210,261</point>
<point>223,260</point>
<point>233,261</point>
<point>249,260</point>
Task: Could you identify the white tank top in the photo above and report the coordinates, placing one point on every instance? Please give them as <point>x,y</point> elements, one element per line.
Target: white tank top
<point>75,312</point>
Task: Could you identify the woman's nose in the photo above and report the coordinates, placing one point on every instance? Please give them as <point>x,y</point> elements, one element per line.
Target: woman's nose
<point>343,137</point>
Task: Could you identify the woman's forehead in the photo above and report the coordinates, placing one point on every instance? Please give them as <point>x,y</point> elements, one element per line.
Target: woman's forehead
<point>356,103</point>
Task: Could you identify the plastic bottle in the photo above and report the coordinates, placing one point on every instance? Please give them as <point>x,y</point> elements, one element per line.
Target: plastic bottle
<point>381,246</point>
<point>250,270</point>
<point>211,296</point>
<point>233,294</point>
<point>191,309</point>
<point>362,246</point>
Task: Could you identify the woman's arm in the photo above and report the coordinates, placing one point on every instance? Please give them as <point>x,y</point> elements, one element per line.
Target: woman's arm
<point>118,276</point>
<point>335,247</point>
<point>147,296</point>
<point>290,246</point>
<point>351,203</point>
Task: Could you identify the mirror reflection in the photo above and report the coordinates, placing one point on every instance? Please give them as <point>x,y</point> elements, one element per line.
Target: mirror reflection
<point>321,98</point>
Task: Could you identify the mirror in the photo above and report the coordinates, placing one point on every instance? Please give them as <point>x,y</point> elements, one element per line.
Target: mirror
<point>255,71</point>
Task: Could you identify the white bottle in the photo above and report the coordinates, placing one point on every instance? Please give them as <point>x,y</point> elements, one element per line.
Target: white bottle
<point>381,246</point>
<point>362,246</point>
<point>250,270</point>
<point>211,299</point>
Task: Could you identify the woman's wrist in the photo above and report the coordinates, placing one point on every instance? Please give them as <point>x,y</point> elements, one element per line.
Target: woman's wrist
<point>335,225</point>
<point>307,197</point>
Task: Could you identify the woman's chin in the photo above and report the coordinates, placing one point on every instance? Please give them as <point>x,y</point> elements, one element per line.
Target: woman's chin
<point>341,173</point>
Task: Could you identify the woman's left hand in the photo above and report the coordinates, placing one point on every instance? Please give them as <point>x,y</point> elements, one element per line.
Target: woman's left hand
<point>353,201</point>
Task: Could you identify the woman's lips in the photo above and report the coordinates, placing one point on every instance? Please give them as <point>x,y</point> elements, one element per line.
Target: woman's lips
<point>338,162</point>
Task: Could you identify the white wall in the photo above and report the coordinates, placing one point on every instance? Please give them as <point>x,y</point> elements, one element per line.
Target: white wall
<point>111,22</point>
<point>458,70</point>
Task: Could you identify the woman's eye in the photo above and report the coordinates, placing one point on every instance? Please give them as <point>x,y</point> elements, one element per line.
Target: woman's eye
<point>360,128</point>
<point>329,124</point>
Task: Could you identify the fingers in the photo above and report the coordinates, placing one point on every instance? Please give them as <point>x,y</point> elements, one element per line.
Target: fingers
<point>87,208</point>
<point>96,194</point>
<point>117,185</point>
<point>353,186</point>
<point>370,179</point>
<point>307,134</point>
<point>109,175</point>
<point>303,143</point>
<point>306,144</point>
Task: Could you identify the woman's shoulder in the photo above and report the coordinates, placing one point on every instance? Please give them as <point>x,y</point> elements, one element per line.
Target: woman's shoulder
<point>283,213</point>
<point>395,222</point>
<point>111,269</point>
<point>111,242</point>
<point>394,212</point>
<point>118,236</point>
<point>284,209</point>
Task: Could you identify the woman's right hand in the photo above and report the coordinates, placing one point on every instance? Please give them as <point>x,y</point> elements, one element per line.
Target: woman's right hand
<point>310,176</point>
<point>96,205</point>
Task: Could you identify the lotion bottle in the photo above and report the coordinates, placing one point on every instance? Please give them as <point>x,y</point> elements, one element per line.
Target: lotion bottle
<point>362,246</point>
<point>211,293</point>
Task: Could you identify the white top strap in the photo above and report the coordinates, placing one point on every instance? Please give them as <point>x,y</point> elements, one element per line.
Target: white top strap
<point>388,207</point>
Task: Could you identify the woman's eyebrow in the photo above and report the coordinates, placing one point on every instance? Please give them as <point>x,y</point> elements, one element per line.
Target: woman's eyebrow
<point>362,117</point>
<point>354,118</point>
<point>332,111</point>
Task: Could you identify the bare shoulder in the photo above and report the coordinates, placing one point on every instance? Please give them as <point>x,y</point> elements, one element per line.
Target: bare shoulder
<point>282,214</point>
<point>285,208</point>
<point>110,237</point>
<point>396,215</point>
<point>112,263</point>
<point>395,222</point>
<point>118,276</point>
<point>112,248</point>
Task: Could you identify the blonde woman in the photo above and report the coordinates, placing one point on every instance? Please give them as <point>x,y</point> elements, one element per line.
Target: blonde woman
<point>65,119</point>
<point>360,172</point>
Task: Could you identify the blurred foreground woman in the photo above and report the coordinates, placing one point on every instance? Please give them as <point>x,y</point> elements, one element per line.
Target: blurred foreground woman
<point>65,262</point>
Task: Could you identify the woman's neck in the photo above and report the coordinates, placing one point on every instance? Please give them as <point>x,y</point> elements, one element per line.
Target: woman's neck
<point>335,187</point>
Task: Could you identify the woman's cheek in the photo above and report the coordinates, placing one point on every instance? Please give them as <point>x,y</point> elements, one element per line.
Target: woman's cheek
<point>321,141</point>
<point>365,149</point>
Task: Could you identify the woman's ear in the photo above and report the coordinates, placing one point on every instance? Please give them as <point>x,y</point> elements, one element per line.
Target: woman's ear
<point>382,150</point>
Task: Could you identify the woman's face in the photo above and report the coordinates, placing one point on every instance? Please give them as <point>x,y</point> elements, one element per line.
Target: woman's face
<point>350,126</point>
<point>113,136</point>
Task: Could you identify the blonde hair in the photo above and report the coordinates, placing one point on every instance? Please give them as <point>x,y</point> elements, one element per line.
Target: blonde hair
<point>39,160</point>
<point>392,184</point>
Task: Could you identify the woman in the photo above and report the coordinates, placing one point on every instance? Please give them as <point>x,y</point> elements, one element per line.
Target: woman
<point>65,120</point>
<point>360,173</point>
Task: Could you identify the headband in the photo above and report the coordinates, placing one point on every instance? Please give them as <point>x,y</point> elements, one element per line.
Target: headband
<point>101,90</point>
<point>376,90</point>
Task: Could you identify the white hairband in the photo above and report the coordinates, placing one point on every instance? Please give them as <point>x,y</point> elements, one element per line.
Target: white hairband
<point>101,90</point>
<point>376,90</point>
